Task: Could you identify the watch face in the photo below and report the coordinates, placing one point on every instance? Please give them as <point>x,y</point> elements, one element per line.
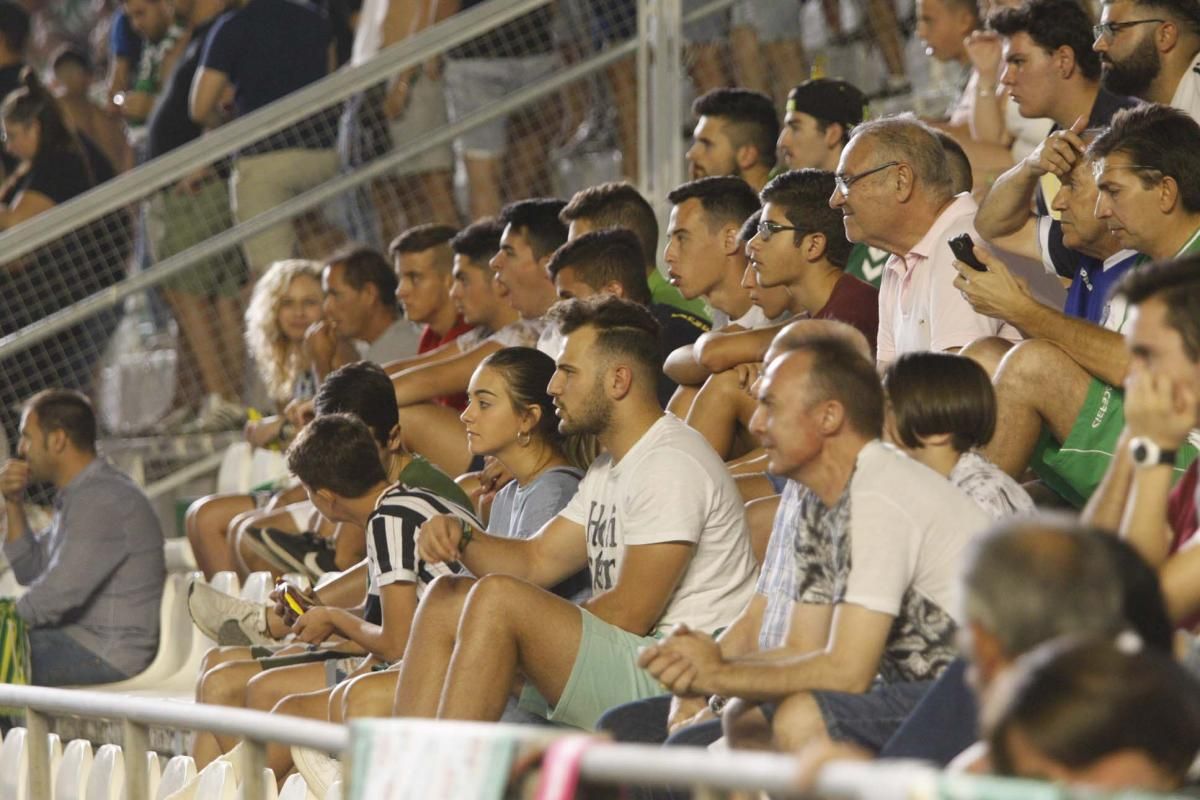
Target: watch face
<point>1141,452</point>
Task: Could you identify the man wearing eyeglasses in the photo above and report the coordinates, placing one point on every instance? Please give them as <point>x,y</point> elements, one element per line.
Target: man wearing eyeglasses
<point>895,192</point>
<point>1151,49</point>
<point>1059,408</point>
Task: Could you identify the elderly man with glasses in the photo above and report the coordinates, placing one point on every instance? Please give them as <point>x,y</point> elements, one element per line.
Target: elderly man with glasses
<point>1150,49</point>
<point>895,192</point>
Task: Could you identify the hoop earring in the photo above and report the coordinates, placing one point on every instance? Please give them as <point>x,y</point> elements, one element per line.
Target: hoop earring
<point>524,438</point>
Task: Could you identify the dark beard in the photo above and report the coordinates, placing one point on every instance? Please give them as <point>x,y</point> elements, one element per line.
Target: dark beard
<point>1133,76</point>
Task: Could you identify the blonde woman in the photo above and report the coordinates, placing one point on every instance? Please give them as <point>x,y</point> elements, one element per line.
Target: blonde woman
<point>286,301</point>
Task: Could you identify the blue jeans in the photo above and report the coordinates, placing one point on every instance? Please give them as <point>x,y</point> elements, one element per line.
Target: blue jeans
<point>645,722</point>
<point>942,725</point>
<point>868,719</point>
<point>58,660</point>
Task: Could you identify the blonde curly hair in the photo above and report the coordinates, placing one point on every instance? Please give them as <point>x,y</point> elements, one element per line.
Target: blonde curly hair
<point>279,361</point>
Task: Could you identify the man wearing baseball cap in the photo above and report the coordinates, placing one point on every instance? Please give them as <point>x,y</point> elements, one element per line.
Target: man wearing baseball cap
<point>817,122</point>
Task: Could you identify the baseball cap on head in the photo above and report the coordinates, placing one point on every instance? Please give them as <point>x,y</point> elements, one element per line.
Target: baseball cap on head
<point>830,100</point>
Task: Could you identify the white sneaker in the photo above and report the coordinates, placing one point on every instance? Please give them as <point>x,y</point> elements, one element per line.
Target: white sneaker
<point>226,619</point>
<point>319,770</point>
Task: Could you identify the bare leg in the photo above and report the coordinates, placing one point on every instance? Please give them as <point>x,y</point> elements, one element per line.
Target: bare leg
<point>531,135</point>
<point>706,67</point>
<point>207,524</point>
<point>192,313</point>
<point>365,696</point>
<point>622,79</point>
<point>439,196</point>
<point>483,178</point>
<point>987,352</point>
<point>885,29</point>
<point>437,433</point>
<point>224,685</point>
<point>745,727</point>
<point>789,66</point>
<point>753,486</point>
<point>747,55</point>
<point>798,723</point>
<point>430,646</point>
<point>230,321</point>
<point>312,705</point>
<point>721,409</point>
<point>1037,384</point>
<point>509,625</point>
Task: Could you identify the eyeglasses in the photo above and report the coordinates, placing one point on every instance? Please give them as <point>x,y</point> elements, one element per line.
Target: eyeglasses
<point>767,229</point>
<point>1109,30</point>
<point>844,182</point>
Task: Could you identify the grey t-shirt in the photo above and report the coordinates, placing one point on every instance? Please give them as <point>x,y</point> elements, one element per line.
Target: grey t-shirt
<point>519,512</point>
<point>400,340</point>
<point>97,572</point>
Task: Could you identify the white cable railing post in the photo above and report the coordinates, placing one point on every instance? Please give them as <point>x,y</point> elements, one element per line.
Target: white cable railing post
<point>135,744</point>
<point>37,744</point>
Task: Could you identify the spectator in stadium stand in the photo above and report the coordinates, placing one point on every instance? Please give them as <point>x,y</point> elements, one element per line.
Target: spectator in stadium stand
<point>1141,495</point>
<point>485,70</point>
<point>14,36</point>
<point>124,52</point>
<point>703,255</point>
<point>943,27</point>
<point>264,51</point>
<point>896,192</point>
<point>620,205</point>
<point>96,574</point>
<point>54,166</point>
<point>736,131</point>
<point>1146,166</point>
<point>155,22</point>
<point>1110,716</point>
<point>940,409</point>
<point>424,266</point>
<point>361,319</point>
<point>611,262</point>
<point>73,79</point>
<point>800,245</point>
<point>285,304</point>
<point>818,119</point>
<point>531,233</point>
<point>651,566</point>
<point>1150,49</point>
<point>861,610</point>
<point>206,298</point>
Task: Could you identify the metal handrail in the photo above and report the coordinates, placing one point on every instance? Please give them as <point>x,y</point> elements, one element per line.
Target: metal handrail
<point>228,139</point>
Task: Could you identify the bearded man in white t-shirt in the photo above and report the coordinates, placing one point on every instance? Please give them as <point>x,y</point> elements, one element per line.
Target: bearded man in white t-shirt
<point>878,546</point>
<point>657,519</point>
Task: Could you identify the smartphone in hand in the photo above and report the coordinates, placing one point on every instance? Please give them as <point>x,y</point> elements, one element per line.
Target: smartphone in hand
<point>964,250</point>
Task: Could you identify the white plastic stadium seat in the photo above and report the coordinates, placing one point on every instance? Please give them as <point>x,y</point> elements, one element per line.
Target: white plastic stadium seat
<point>106,781</point>
<point>174,640</point>
<point>294,788</point>
<point>178,554</point>
<point>70,779</point>
<point>272,792</point>
<point>227,582</point>
<point>217,781</point>
<point>175,775</point>
<point>56,754</point>
<point>14,766</point>
<point>153,773</point>
<point>335,791</point>
<point>257,586</point>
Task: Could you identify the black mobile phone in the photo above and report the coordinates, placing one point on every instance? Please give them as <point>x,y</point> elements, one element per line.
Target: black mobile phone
<point>964,250</point>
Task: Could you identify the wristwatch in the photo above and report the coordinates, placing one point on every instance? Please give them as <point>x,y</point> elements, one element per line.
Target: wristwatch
<point>1147,453</point>
<point>716,704</point>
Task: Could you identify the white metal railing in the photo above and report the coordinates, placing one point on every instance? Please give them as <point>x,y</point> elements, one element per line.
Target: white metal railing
<point>702,770</point>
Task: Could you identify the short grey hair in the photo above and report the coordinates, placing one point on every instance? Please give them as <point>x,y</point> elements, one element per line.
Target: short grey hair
<point>1036,579</point>
<point>903,137</point>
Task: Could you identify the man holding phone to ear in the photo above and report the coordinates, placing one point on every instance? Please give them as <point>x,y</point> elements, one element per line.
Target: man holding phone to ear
<point>895,192</point>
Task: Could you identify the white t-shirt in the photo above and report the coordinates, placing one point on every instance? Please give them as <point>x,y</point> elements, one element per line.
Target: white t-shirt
<point>990,487</point>
<point>670,487</point>
<point>1187,93</point>
<point>551,341</point>
<point>400,340</point>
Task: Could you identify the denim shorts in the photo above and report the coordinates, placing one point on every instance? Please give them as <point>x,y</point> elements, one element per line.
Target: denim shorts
<point>476,83</point>
<point>867,719</point>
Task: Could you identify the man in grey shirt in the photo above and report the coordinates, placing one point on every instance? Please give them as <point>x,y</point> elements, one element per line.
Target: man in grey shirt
<point>96,574</point>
